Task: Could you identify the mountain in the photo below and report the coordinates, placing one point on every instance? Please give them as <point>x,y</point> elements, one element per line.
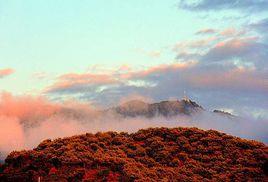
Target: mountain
<point>223,113</point>
<point>165,108</point>
<point>155,154</point>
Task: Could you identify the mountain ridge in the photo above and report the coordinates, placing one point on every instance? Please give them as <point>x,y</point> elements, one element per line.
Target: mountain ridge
<point>166,108</point>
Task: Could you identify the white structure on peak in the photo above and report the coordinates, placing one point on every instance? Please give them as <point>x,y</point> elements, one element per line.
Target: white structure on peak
<point>185,97</point>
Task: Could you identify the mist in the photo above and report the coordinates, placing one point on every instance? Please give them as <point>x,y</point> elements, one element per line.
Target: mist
<point>25,121</point>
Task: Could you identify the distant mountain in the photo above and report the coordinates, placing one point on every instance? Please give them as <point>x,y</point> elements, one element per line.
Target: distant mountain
<point>159,154</point>
<point>224,113</point>
<point>165,108</point>
<point>134,108</point>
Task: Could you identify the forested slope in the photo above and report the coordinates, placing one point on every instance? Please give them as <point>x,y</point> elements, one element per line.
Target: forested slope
<point>185,154</point>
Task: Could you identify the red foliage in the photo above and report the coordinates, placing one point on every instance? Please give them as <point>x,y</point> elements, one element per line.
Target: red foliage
<point>140,143</point>
<point>53,170</point>
<point>113,176</point>
<point>156,154</point>
<point>90,174</point>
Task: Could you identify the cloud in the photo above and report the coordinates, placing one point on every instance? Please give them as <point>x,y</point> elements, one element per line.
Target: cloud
<point>186,56</point>
<point>195,44</point>
<point>211,84</point>
<point>261,25</point>
<point>23,107</point>
<point>205,5</point>
<point>226,70</point>
<point>228,49</point>
<point>150,53</point>
<point>239,79</point>
<point>25,121</point>
<point>40,75</point>
<point>74,82</point>
<point>214,36</point>
<point>160,69</point>
<point>6,72</point>
<point>207,31</point>
<point>261,28</point>
<point>231,32</point>
<point>244,50</point>
<point>154,54</point>
<point>209,78</point>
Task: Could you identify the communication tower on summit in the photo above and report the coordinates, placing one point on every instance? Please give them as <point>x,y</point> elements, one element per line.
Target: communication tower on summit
<point>185,97</point>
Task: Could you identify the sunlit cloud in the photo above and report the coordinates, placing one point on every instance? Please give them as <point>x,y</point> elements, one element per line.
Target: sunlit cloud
<point>206,31</point>
<point>150,53</point>
<point>170,81</point>
<point>245,49</point>
<point>6,72</point>
<point>73,82</point>
<point>40,75</point>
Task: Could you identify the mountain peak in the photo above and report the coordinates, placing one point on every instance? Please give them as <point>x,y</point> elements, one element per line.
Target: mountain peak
<point>164,108</point>
<point>225,113</point>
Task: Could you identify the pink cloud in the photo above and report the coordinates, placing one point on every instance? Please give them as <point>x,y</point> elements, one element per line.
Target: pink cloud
<point>70,80</point>
<point>23,107</point>
<point>11,135</point>
<point>202,42</point>
<point>6,72</point>
<point>190,72</point>
<point>159,69</point>
<point>124,68</point>
<point>74,82</point>
<point>237,78</point>
<point>194,44</point>
<point>228,32</point>
<point>245,50</point>
<point>236,43</point>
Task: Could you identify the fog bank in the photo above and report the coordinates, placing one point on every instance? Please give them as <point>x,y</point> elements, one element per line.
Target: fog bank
<point>26,121</point>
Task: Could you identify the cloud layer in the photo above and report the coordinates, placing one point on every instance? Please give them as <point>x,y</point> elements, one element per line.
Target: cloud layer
<point>26,121</point>
<point>228,71</point>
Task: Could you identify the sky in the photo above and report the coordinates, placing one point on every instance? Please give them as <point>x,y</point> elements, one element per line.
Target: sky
<point>102,51</point>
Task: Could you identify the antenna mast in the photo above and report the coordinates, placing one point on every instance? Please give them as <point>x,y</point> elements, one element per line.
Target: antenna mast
<point>185,97</point>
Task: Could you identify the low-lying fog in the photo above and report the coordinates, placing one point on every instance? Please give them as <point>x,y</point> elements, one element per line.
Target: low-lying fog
<point>26,121</point>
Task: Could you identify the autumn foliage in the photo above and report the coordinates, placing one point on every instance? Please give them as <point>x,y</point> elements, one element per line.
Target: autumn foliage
<point>156,154</point>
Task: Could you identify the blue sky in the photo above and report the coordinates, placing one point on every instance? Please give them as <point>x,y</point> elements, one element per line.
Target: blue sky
<point>47,33</point>
<point>70,48</point>
<point>61,36</point>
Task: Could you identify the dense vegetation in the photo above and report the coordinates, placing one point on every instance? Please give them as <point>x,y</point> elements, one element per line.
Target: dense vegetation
<point>179,154</point>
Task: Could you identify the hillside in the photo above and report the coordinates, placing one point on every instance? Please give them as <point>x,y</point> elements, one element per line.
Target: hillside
<point>184,154</point>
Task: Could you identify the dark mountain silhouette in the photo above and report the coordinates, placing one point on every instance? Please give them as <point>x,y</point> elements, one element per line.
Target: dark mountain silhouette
<point>223,113</point>
<point>159,154</point>
<point>165,108</point>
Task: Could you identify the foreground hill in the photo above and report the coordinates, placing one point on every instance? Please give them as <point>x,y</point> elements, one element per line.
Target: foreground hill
<point>184,154</point>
